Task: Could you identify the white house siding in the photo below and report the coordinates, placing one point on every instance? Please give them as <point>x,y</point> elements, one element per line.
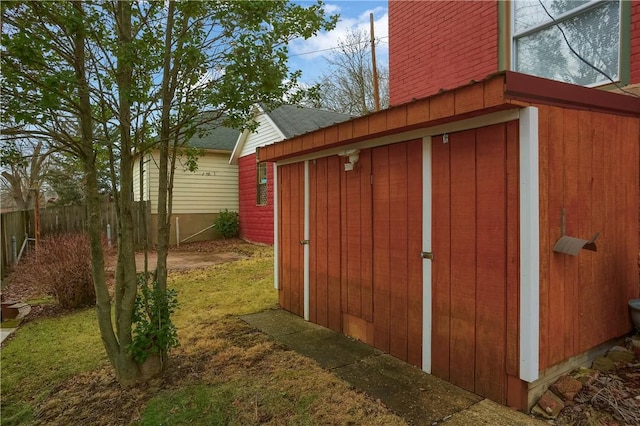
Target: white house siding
<point>136,179</point>
<point>210,189</point>
<point>265,133</point>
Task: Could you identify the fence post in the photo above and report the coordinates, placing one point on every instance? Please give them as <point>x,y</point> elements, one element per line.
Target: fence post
<point>14,249</point>
<point>177,231</point>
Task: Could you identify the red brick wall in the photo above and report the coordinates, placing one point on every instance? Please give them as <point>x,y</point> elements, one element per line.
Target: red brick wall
<point>256,222</point>
<point>437,45</point>
<point>635,42</point>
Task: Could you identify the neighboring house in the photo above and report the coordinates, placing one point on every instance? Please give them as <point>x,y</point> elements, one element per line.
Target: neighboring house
<point>198,196</point>
<point>437,45</point>
<point>256,180</point>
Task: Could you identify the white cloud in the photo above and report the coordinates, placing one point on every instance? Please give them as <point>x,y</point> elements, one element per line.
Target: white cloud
<point>331,9</point>
<point>321,44</point>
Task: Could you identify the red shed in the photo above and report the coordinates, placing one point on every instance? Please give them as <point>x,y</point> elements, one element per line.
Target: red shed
<point>428,229</point>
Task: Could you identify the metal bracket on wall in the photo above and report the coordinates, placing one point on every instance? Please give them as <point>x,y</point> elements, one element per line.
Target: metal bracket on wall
<point>304,242</point>
<point>573,245</point>
<point>427,255</point>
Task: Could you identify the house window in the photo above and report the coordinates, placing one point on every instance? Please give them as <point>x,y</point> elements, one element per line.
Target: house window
<point>591,28</point>
<point>262,184</point>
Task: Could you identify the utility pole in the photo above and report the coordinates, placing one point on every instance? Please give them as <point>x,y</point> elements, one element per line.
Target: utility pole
<point>376,89</point>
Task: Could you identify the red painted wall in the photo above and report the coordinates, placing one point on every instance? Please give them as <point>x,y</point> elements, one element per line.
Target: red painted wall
<point>437,45</point>
<point>256,222</point>
<point>635,42</point>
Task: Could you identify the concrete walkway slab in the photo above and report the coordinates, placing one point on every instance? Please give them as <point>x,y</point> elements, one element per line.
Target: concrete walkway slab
<point>5,332</point>
<point>419,398</point>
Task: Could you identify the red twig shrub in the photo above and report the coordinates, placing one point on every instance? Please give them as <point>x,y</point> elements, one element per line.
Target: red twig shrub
<point>62,269</point>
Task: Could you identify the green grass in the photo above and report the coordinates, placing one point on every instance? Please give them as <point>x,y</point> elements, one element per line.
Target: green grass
<point>43,354</point>
<point>238,402</point>
<point>224,372</point>
<point>47,352</point>
<point>234,288</point>
<point>194,405</point>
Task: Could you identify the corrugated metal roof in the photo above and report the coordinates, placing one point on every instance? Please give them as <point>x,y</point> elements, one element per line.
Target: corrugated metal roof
<point>499,91</point>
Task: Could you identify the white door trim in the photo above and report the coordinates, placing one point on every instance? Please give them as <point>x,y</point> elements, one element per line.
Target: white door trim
<point>306,240</point>
<point>529,246</point>
<point>426,246</point>
<point>276,230</point>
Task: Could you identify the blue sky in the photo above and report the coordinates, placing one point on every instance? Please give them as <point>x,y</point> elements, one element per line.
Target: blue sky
<point>309,55</point>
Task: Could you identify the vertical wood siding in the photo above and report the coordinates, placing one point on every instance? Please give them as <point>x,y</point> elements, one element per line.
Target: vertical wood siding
<point>589,167</point>
<point>325,243</point>
<point>371,212</point>
<point>291,210</point>
<point>397,240</point>
<point>475,277</point>
<point>357,282</point>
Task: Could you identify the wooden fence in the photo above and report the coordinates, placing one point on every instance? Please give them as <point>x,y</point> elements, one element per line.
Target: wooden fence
<point>16,226</point>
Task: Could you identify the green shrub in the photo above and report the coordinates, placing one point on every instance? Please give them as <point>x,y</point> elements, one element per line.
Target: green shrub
<point>227,224</point>
<point>61,268</point>
<point>154,332</point>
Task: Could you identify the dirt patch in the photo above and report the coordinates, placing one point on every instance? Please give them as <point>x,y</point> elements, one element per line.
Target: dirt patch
<point>181,260</point>
<point>229,352</point>
<point>194,255</point>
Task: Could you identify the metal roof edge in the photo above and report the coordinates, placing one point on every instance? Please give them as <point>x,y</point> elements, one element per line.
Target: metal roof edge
<point>528,88</point>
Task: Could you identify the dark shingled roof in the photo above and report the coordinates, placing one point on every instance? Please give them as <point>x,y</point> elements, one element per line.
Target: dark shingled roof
<point>293,120</point>
<point>219,137</point>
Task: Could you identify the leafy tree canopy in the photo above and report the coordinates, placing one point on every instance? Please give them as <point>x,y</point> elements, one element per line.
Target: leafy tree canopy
<point>106,81</point>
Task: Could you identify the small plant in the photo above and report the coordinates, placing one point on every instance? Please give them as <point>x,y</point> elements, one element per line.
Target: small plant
<point>61,268</point>
<point>227,224</point>
<point>153,332</point>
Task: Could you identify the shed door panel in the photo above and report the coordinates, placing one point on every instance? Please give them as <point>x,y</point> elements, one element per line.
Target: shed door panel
<point>291,220</point>
<point>397,241</point>
<point>473,252</point>
<point>357,243</point>
<point>324,246</point>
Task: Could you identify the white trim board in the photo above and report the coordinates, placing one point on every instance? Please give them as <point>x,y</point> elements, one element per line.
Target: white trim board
<point>529,246</point>
<point>306,247</point>
<point>276,231</point>
<point>427,303</point>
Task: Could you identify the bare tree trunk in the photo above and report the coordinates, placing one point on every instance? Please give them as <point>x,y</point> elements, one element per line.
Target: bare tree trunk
<point>126,278</point>
<point>164,217</point>
<point>103,302</point>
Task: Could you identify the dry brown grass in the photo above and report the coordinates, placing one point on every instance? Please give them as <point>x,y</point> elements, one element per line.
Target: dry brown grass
<point>270,385</point>
<point>224,372</point>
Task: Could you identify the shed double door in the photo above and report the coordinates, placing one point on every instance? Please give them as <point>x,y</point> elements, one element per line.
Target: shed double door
<point>475,268</point>
<point>365,236</point>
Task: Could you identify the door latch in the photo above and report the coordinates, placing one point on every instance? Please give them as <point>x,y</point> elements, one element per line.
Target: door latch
<point>304,242</point>
<point>427,255</point>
